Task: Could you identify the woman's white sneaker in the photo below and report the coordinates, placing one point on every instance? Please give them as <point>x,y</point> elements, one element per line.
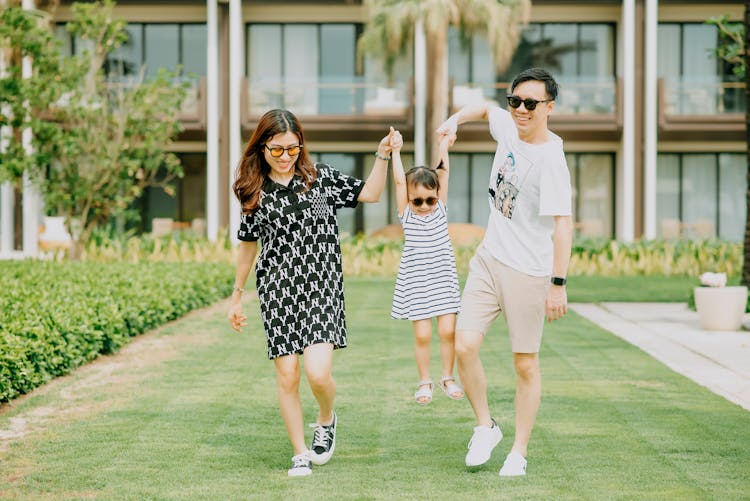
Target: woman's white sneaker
<point>324,442</point>
<point>514,465</point>
<point>485,439</point>
<point>301,466</point>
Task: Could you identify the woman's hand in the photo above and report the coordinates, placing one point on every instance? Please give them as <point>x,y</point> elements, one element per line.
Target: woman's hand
<point>237,319</point>
<point>385,148</point>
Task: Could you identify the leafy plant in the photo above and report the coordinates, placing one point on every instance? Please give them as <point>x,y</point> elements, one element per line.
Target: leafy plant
<point>98,142</point>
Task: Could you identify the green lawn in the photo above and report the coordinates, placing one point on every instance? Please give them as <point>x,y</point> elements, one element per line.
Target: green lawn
<point>189,412</point>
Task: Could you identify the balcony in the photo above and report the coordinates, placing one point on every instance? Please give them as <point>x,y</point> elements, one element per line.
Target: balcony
<point>584,109</point>
<point>330,106</point>
<point>701,109</point>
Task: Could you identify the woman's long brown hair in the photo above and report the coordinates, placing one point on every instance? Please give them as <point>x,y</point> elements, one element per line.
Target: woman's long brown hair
<point>253,168</point>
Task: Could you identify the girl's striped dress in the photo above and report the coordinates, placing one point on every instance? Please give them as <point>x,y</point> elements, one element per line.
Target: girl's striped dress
<point>427,283</point>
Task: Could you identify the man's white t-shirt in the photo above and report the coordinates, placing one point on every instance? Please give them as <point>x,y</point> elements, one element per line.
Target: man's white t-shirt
<point>529,185</point>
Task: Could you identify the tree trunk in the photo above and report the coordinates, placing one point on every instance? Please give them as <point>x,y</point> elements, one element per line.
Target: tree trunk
<point>746,249</point>
<point>437,89</point>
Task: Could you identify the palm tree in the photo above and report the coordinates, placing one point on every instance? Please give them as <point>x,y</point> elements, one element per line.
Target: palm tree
<point>389,33</point>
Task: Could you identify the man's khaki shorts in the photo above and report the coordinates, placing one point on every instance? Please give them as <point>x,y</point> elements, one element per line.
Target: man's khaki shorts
<point>493,287</point>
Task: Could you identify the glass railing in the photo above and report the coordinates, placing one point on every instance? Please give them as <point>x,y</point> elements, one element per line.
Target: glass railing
<point>597,96</point>
<point>346,96</point>
<point>193,105</point>
<point>703,96</point>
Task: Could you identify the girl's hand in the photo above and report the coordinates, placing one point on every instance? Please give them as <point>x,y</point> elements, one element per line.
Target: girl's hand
<point>384,148</point>
<point>396,141</point>
<point>237,319</point>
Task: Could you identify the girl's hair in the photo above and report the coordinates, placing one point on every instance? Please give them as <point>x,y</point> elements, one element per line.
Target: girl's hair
<point>253,168</point>
<point>423,176</point>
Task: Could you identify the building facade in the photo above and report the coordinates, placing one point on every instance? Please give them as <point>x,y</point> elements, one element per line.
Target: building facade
<point>653,121</point>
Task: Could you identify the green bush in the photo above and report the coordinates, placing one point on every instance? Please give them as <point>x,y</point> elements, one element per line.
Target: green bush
<point>56,316</point>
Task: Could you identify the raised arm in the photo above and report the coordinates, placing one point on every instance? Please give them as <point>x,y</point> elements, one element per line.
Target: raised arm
<point>399,178</point>
<point>469,113</point>
<point>443,168</point>
<point>245,257</point>
<point>375,183</point>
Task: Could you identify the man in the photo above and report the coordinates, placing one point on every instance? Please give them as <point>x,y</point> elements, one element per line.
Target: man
<point>521,265</point>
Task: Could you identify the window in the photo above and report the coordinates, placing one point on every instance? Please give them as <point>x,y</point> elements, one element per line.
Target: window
<point>592,177</point>
<point>155,45</point>
<point>581,56</point>
<point>701,195</point>
<point>311,69</point>
<point>697,82</point>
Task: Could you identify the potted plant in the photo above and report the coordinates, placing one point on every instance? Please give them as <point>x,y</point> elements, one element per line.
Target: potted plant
<point>720,307</point>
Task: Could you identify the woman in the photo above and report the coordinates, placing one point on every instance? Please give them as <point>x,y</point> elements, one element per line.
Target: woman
<point>290,204</point>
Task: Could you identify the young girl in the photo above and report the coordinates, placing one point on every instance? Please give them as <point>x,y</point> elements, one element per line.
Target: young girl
<point>289,203</point>
<point>427,283</point>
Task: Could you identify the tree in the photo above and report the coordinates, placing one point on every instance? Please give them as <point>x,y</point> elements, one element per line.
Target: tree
<point>98,142</point>
<point>734,41</point>
<point>389,34</point>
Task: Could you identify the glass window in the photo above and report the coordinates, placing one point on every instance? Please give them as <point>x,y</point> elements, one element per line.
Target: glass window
<point>732,200</point>
<point>301,68</point>
<point>701,195</point>
<point>481,165</point>
<point>193,47</point>
<point>162,47</point>
<point>668,196</point>
<point>592,179</point>
<point>126,61</point>
<point>264,68</point>
<point>347,164</point>
<point>459,188</point>
<point>581,56</point>
<point>337,68</point>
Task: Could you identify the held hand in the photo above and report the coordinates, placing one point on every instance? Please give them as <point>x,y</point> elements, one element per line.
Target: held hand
<point>396,141</point>
<point>237,319</point>
<point>557,302</point>
<point>449,128</point>
<point>384,148</point>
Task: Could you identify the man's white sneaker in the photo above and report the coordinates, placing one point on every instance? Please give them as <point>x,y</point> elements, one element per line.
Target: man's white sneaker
<point>485,439</point>
<point>301,466</point>
<point>514,465</point>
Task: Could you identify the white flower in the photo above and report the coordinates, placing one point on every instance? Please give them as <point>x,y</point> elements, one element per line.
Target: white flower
<point>709,279</point>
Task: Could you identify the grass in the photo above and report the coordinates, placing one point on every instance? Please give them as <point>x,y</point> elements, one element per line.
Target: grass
<point>189,412</point>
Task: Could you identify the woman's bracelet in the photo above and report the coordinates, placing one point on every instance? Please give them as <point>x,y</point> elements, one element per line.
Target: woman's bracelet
<point>381,157</point>
<point>238,289</point>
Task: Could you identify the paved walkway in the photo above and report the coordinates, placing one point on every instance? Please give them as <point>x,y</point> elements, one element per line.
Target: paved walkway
<point>671,333</point>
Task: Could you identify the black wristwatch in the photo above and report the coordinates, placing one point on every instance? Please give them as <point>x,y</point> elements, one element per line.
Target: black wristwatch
<point>559,281</point>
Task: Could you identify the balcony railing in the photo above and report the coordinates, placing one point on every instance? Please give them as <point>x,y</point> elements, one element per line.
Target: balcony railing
<point>576,97</point>
<point>328,98</point>
<point>701,105</point>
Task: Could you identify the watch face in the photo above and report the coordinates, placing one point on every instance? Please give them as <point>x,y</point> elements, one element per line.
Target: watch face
<point>558,281</point>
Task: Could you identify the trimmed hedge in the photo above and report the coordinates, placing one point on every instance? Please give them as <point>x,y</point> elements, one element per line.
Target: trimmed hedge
<point>56,316</point>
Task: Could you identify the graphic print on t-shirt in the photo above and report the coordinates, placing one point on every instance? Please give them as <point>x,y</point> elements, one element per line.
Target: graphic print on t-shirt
<point>506,186</point>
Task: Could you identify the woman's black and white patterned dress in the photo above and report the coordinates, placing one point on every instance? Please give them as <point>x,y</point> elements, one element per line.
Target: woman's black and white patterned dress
<point>298,275</point>
<point>427,282</point>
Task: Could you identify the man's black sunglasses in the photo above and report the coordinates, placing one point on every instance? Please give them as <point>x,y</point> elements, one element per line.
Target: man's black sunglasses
<point>530,104</point>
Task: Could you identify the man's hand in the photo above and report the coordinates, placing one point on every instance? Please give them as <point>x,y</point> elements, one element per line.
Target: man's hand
<point>557,302</point>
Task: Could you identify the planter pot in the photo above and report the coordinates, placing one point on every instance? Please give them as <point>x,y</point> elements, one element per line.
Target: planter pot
<point>721,308</point>
<point>55,236</point>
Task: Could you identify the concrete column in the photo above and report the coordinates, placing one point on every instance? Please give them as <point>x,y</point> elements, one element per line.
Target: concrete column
<point>6,189</point>
<point>236,66</point>
<point>212,121</point>
<point>31,205</point>
<point>650,115</point>
<point>626,172</point>
<point>420,94</point>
